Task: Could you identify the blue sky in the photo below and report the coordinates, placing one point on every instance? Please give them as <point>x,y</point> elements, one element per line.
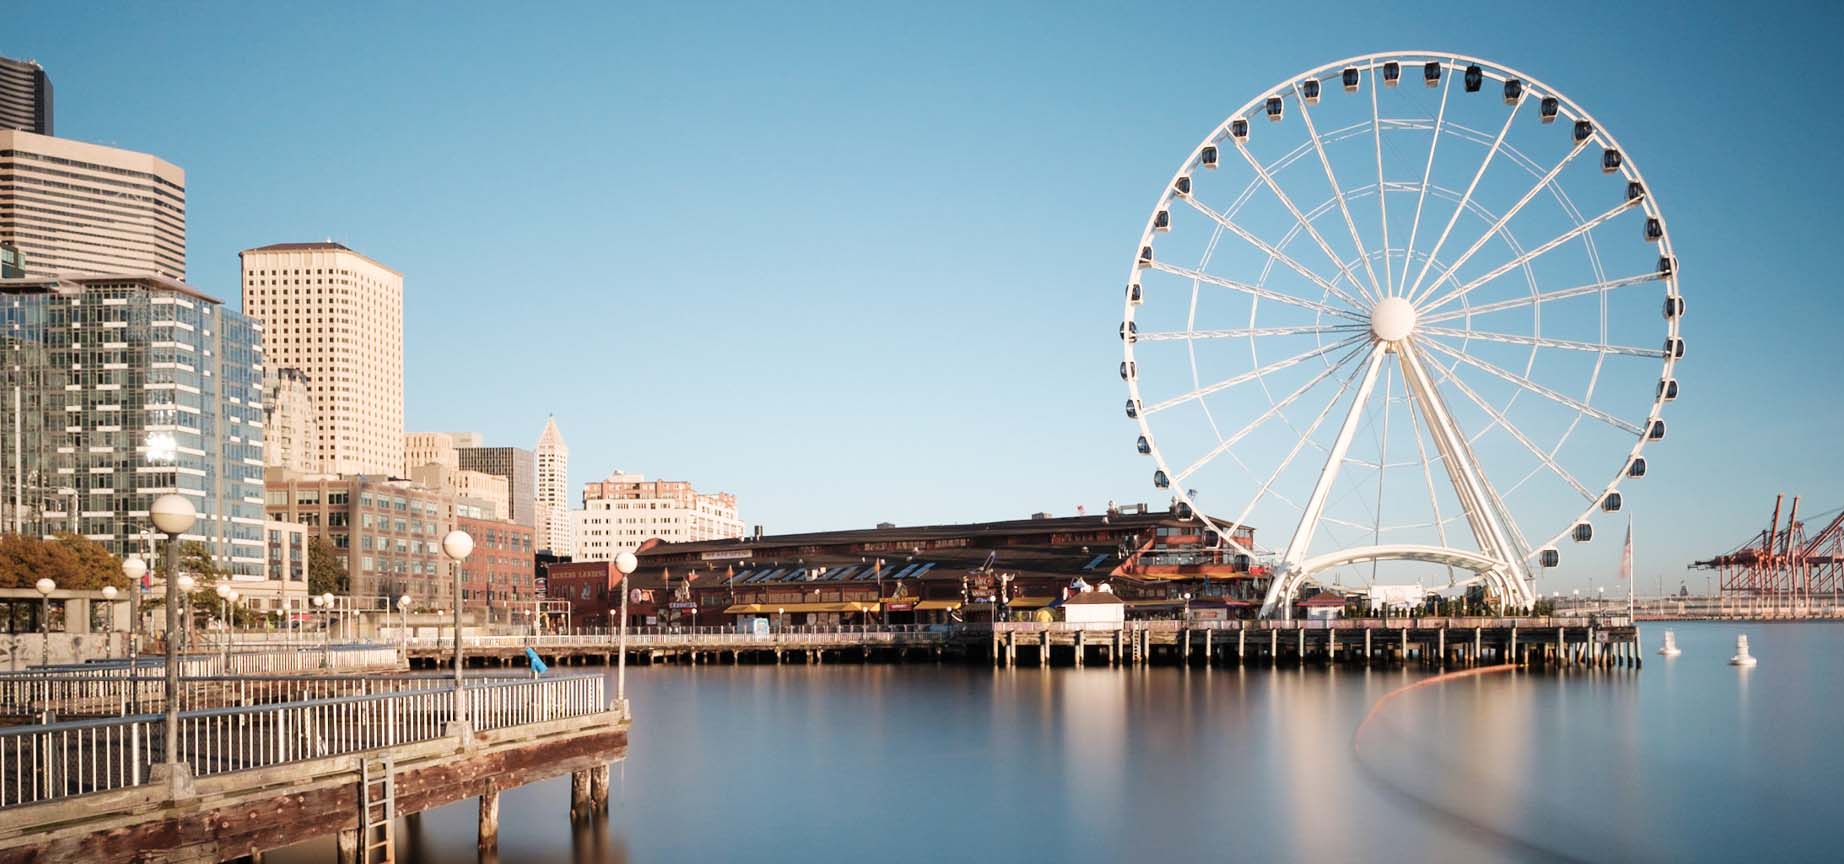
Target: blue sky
<point>858,262</point>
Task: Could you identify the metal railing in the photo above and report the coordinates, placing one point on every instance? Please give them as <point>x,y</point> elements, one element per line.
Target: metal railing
<point>61,760</point>
<point>60,695</point>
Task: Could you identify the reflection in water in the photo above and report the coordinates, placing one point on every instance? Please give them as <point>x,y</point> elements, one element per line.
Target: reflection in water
<point>1684,760</point>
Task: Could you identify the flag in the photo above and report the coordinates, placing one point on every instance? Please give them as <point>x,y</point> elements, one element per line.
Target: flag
<point>1626,556</point>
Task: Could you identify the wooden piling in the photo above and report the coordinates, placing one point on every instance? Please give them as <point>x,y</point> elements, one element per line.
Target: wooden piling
<point>489,819</point>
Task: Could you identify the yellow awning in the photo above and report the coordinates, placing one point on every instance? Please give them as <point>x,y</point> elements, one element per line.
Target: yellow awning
<point>937,605</point>
<point>1030,602</point>
<point>772,608</point>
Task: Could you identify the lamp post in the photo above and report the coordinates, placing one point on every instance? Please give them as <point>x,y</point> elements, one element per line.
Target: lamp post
<point>403,616</point>
<point>1187,596</point>
<point>223,593</point>
<point>134,568</point>
<point>173,515</point>
<point>625,564</point>
<point>45,587</point>
<point>457,546</point>
<point>320,602</point>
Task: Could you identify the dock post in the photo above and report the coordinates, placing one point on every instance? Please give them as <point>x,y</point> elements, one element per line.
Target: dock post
<point>1043,649</point>
<point>1441,637</point>
<point>1242,640</point>
<point>347,850</point>
<point>580,808</point>
<point>1302,646</point>
<point>1184,647</point>
<point>1478,643</point>
<point>1512,658</point>
<point>598,788</point>
<point>1274,646</point>
<point>1366,646</point>
<point>1405,645</point>
<point>1081,647</point>
<point>1206,649</point>
<point>489,818</point>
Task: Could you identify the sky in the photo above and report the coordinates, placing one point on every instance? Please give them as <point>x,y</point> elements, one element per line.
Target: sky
<point>862,262</point>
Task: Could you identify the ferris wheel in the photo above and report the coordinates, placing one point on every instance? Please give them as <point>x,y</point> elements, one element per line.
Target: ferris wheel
<point>1403,311</point>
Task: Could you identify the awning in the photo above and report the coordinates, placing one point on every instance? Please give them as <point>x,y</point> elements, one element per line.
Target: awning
<point>1030,602</point>
<point>772,608</point>
<point>937,605</point>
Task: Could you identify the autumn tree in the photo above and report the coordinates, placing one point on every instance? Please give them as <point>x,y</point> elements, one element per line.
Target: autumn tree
<point>71,560</point>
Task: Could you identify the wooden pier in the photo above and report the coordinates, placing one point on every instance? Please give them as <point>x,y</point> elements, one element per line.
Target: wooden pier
<point>1539,642</point>
<point>249,779</point>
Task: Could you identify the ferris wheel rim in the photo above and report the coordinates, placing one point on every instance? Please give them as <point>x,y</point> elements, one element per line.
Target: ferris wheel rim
<point>1450,62</point>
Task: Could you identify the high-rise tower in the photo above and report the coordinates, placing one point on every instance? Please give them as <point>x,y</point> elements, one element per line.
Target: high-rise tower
<point>553,485</point>
<point>25,96</point>
<point>76,208</point>
<point>337,316</point>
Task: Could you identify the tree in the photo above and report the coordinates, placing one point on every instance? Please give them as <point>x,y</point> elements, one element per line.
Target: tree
<point>73,561</point>
<point>326,570</point>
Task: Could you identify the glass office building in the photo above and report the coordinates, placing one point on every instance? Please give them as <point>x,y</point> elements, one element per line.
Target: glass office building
<point>122,388</point>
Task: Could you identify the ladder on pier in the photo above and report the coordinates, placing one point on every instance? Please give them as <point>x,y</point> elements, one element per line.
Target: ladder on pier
<point>377,811</point>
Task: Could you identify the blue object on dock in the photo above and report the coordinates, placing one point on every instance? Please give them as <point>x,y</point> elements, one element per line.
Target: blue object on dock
<point>537,665</point>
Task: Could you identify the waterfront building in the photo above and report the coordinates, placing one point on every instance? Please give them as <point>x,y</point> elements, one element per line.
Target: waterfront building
<point>12,263</point>
<point>934,573</point>
<point>498,576</point>
<point>282,587</point>
<point>337,316</point>
<point>25,97</point>
<point>290,427</point>
<point>119,389</point>
<point>516,465</point>
<point>593,590</point>
<point>77,208</point>
<point>552,485</point>
<point>388,531</point>
<point>625,510</point>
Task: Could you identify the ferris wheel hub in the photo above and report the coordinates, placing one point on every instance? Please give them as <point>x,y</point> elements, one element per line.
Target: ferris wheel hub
<point>1392,319</point>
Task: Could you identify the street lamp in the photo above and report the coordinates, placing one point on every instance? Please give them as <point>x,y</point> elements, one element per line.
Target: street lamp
<point>457,546</point>
<point>134,568</point>
<point>1187,596</point>
<point>173,515</point>
<point>625,564</point>
<point>45,587</point>
<point>403,612</point>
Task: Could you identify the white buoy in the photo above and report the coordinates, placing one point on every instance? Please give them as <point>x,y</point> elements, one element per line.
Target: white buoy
<point>1742,657</point>
<point>1670,648</point>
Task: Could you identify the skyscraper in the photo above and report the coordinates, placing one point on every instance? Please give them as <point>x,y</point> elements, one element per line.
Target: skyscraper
<point>129,387</point>
<point>72,207</point>
<point>553,485</point>
<point>290,427</point>
<point>513,463</point>
<point>25,96</point>
<point>337,316</point>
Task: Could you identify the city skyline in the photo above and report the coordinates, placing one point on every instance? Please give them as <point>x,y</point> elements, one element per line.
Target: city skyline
<point>785,325</point>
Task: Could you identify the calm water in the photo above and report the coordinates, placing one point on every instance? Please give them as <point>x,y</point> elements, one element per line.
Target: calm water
<point>1687,759</point>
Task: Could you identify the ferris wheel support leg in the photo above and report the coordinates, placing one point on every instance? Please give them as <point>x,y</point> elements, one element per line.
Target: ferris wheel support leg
<point>1290,573</point>
<point>1480,503</point>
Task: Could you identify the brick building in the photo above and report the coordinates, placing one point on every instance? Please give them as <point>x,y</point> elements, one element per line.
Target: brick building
<point>499,575</point>
<point>389,531</point>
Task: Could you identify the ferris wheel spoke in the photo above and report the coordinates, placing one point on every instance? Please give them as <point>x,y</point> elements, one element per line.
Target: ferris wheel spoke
<point>1268,180</point>
<point>1272,412</point>
<point>1259,291</point>
<point>1427,473</point>
<point>1376,134</point>
<point>1542,297</point>
<point>1376,290</point>
<point>1485,163</point>
<point>1251,332</point>
<point>1532,386</point>
<point>1269,250</point>
<point>1252,375</point>
<point>1546,342</point>
<point>1532,253</point>
<point>1427,171</point>
<point>1368,372</point>
<point>1541,184</point>
<point>1505,423</point>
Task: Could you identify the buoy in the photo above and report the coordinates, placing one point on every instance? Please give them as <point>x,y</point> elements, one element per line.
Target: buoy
<point>1742,657</point>
<point>1670,648</point>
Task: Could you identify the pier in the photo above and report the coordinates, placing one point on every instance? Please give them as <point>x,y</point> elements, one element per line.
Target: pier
<point>264,763</point>
<point>1538,642</point>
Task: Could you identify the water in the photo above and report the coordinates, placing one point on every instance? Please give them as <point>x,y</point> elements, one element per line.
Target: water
<point>1688,759</point>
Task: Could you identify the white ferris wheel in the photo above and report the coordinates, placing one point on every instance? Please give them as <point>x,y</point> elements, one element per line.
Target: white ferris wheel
<point>1403,311</point>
